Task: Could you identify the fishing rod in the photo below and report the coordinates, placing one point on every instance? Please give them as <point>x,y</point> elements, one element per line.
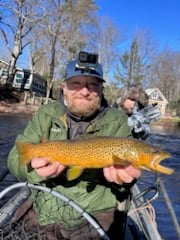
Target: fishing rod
<point>169,206</point>
<point>65,199</point>
<point>4,173</point>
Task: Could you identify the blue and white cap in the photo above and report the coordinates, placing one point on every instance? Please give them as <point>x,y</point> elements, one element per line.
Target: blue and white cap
<point>74,69</point>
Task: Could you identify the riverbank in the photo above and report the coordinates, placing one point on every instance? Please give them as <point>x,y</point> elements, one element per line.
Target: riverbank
<point>166,126</point>
<point>17,108</point>
<point>167,121</point>
<point>12,102</point>
<point>9,107</point>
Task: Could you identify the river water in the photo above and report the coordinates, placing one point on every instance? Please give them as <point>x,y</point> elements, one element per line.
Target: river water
<point>166,137</point>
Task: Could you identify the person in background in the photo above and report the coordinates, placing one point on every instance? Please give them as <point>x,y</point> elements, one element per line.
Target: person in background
<point>134,101</point>
<point>82,110</point>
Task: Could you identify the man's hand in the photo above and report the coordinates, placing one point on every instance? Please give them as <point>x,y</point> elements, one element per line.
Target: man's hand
<point>44,169</point>
<point>120,175</point>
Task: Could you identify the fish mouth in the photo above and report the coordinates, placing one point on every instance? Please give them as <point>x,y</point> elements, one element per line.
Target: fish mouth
<point>159,168</point>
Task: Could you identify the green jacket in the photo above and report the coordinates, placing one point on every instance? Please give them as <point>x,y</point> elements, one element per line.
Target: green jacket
<point>92,194</point>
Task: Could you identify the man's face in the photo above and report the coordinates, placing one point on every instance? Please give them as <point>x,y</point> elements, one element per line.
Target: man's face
<point>82,95</point>
<point>128,105</point>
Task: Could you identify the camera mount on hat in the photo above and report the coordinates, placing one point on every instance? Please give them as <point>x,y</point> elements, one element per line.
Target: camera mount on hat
<point>86,65</point>
<point>87,61</point>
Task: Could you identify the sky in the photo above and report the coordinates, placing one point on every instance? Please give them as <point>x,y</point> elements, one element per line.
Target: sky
<point>160,17</point>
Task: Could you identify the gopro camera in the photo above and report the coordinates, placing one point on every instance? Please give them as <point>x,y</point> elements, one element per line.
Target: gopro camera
<point>87,60</point>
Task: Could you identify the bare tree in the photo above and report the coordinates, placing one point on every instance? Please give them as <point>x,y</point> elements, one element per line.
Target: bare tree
<point>105,40</point>
<point>18,19</point>
<point>148,49</point>
<point>63,36</point>
<point>166,74</point>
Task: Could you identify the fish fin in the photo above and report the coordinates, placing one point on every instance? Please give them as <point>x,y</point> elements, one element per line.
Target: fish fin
<point>74,172</point>
<point>118,161</point>
<point>24,152</point>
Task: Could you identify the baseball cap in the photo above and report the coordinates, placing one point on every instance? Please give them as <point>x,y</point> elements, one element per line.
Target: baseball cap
<point>74,69</point>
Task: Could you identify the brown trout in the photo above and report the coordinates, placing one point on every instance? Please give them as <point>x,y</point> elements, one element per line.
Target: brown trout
<point>98,152</point>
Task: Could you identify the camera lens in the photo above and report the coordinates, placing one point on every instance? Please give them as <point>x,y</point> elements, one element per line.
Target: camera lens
<point>92,58</point>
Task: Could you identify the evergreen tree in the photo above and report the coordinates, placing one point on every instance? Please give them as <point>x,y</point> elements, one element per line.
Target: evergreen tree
<point>130,67</point>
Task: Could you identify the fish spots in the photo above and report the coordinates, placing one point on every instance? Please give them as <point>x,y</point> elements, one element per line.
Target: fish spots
<point>97,152</point>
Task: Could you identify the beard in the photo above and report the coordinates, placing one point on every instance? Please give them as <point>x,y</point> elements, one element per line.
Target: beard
<point>84,107</point>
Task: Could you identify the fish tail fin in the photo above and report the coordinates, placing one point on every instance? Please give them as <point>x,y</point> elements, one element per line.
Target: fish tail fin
<point>24,151</point>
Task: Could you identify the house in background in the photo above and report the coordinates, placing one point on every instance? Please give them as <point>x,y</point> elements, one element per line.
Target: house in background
<point>156,96</point>
<point>24,80</point>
